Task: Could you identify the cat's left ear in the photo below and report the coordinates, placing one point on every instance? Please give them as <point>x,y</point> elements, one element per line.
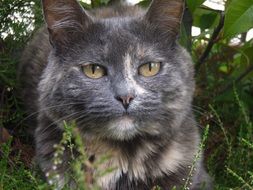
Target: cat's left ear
<point>65,20</point>
<point>166,15</point>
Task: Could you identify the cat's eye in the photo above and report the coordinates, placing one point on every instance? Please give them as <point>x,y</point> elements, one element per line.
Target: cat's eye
<point>94,71</point>
<point>149,69</point>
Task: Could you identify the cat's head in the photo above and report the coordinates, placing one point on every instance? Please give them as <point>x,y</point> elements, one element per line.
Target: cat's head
<point>117,77</point>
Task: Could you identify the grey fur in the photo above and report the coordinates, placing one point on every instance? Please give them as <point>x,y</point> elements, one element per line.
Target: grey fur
<point>154,141</point>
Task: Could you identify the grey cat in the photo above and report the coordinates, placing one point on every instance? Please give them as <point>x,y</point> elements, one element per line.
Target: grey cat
<point>121,75</point>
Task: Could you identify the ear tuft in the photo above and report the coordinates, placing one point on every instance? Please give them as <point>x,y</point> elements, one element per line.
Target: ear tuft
<point>166,15</point>
<point>64,18</point>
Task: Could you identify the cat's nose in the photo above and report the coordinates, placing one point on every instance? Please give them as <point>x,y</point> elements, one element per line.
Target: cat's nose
<point>125,100</point>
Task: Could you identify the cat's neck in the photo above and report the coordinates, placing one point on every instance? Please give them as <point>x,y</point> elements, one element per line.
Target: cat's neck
<point>145,158</point>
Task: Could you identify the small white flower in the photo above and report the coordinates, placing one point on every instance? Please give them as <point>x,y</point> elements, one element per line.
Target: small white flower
<point>57,176</point>
<point>50,182</point>
<point>56,154</point>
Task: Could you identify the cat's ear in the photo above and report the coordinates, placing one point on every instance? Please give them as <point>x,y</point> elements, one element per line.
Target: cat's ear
<point>65,19</point>
<point>166,15</point>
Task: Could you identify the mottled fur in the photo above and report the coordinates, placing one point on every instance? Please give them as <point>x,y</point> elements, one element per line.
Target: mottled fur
<point>155,143</point>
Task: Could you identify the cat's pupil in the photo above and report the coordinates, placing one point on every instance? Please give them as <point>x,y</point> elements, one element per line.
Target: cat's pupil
<point>93,68</point>
<point>150,66</point>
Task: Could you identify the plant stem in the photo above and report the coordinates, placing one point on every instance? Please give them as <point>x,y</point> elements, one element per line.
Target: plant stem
<point>212,41</point>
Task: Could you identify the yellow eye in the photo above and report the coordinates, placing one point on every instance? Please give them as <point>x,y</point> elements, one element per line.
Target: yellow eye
<point>94,71</point>
<point>149,69</point>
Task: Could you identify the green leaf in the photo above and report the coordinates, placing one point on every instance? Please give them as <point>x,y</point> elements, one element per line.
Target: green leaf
<point>144,3</point>
<point>184,40</point>
<point>205,19</point>
<point>85,5</point>
<point>185,31</point>
<point>247,56</point>
<point>193,4</point>
<point>238,18</point>
<point>223,68</point>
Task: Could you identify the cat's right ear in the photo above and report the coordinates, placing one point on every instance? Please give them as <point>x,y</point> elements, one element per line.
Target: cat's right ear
<point>166,15</point>
<point>65,20</point>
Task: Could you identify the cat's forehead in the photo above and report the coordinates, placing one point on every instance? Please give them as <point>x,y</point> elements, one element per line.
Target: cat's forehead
<point>111,41</point>
<point>123,36</point>
<point>119,30</point>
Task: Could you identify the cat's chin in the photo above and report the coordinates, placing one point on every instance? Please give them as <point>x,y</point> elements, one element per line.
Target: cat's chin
<point>122,128</point>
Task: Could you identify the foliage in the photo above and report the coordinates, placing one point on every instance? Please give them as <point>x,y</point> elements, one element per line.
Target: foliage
<point>14,174</point>
<point>239,17</point>
<point>71,140</point>
<point>223,99</point>
<point>193,4</point>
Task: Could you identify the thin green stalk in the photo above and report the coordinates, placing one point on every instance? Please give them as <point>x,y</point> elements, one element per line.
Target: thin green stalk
<point>229,146</point>
<point>196,157</point>
<point>239,178</point>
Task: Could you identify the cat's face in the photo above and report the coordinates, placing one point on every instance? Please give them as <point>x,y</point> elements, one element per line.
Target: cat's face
<point>119,79</point>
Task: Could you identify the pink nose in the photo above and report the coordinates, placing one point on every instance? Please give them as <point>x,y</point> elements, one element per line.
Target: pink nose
<point>125,100</point>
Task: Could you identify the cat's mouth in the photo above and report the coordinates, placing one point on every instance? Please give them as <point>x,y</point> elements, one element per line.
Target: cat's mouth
<point>126,114</point>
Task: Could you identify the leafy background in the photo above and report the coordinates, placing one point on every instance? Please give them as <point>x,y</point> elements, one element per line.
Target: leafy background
<point>223,60</point>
